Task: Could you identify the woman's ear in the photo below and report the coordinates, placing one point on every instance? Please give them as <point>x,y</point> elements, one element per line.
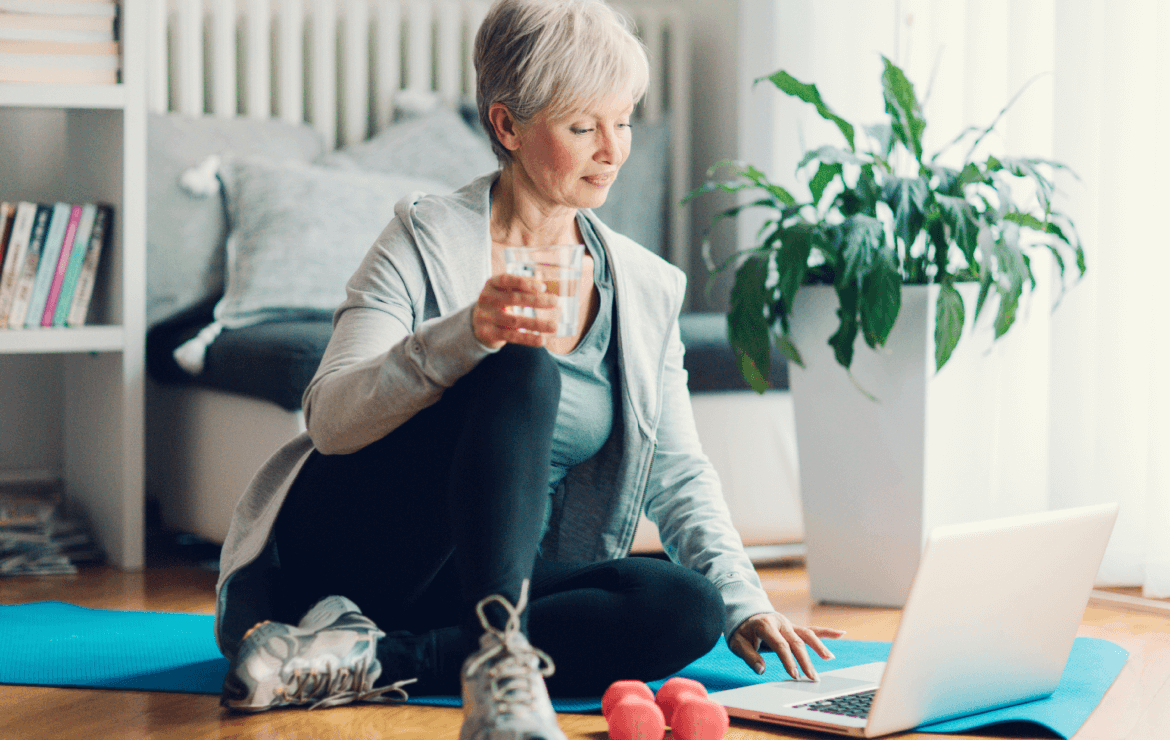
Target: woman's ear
<point>505,126</point>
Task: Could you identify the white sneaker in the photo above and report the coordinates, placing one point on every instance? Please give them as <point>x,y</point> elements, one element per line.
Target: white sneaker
<point>504,695</point>
<point>327,660</point>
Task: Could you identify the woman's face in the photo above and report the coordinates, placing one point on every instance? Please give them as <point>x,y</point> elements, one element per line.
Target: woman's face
<point>572,159</point>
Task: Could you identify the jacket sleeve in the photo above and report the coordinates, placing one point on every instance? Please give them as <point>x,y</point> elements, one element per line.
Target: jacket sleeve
<point>685,500</point>
<point>384,363</point>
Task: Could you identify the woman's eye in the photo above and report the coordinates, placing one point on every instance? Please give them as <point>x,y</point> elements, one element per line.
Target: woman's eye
<point>581,130</point>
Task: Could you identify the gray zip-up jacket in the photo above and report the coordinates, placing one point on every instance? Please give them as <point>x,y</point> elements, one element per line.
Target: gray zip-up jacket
<point>404,334</point>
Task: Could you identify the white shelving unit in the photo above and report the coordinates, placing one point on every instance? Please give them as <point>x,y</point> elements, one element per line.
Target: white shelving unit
<point>71,400</point>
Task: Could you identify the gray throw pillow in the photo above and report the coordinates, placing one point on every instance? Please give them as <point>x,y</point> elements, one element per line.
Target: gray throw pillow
<point>185,232</point>
<point>298,232</point>
<point>437,145</point>
<point>636,205</point>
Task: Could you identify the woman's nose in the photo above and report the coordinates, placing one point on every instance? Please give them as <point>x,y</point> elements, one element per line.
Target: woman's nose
<point>610,149</point>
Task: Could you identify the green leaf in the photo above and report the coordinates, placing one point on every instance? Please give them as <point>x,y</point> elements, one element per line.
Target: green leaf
<point>949,318</point>
<point>1029,168</point>
<point>936,228</point>
<point>789,85</point>
<point>743,177</point>
<point>962,221</point>
<point>882,289</point>
<point>948,179</point>
<point>863,198</point>
<point>747,321</point>
<point>1009,302</point>
<point>821,180</point>
<point>985,278</point>
<point>902,105</point>
<point>787,348</point>
<point>884,136</point>
<point>860,238</point>
<point>843,339</point>
<point>751,374</point>
<point>830,155</point>
<point>970,174</point>
<point>907,197</point>
<point>796,245</point>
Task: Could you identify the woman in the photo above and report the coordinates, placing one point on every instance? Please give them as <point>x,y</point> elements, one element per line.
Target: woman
<point>469,480</point>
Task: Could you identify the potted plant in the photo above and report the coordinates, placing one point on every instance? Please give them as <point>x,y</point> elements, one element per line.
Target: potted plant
<point>912,253</point>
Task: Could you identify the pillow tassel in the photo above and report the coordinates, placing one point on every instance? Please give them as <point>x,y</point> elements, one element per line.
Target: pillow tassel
<point>191,354</point>
<point>203,179</point>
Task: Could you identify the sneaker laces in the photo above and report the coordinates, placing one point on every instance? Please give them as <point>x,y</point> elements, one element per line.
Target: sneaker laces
<point>511,676</point>
<point>336,686</point>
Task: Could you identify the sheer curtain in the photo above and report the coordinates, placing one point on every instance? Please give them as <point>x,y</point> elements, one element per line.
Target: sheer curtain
<point>1110,431</point>
<point>1098,100</point>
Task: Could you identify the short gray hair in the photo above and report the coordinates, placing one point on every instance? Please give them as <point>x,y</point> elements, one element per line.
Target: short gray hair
<point>533,54</point>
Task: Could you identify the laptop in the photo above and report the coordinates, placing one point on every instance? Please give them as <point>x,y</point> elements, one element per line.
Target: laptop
<point>989,622</point>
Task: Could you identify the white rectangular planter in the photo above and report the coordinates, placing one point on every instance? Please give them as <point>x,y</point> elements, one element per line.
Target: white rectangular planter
<point>964,444</point>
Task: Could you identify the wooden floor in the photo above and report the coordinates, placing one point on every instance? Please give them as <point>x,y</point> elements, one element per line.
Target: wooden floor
<point>1137,707</point>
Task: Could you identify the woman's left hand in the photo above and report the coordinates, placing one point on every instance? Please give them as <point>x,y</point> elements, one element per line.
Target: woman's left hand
<point>778,633</point>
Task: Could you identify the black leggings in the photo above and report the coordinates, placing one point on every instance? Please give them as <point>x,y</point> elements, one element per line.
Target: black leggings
<point>447,509</point>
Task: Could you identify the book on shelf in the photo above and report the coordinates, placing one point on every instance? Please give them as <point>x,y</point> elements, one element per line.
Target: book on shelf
<point>14,257</point>
<point>47,264</point>
<point>80,233</point>
<point>27,270</point>
<point>59,62</point>
<point>103,225</point>
<point>61,266</point>
<point>103,8</point>
<point>68,28</point>
<point>7,216</point>
<point>72,269</point>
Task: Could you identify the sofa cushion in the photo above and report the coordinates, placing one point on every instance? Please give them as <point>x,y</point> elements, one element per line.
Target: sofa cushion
<point>186,232</point>
<point>298,233</point>
<point>274,361</point>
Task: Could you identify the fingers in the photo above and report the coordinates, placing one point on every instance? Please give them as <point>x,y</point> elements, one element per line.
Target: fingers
<point>746,650</point>
<point>789,647</point>
<point>506,312</point>
<point>774,631</point>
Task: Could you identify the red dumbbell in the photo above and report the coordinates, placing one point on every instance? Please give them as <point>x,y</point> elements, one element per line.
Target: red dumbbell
<point>671,692</point>
<point>636,718</point>
<point>699,718</point>
<point>619,690</point>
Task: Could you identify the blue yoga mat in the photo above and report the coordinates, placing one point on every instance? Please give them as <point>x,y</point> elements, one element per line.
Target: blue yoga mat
<point>55,644</point>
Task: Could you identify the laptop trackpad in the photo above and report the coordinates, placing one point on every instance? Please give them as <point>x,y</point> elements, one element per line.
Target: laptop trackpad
<point>790,692</point>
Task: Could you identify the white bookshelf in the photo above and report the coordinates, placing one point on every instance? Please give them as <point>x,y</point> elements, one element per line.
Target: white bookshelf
<point>71,399</point>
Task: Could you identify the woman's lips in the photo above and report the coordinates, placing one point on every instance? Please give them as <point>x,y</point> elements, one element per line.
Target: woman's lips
<point>600,180</point>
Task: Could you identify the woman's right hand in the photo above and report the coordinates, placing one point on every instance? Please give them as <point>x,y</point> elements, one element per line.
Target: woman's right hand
<point>495,326</point>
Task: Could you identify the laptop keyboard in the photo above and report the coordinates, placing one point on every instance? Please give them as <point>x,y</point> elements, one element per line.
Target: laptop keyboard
<point>849,705</point>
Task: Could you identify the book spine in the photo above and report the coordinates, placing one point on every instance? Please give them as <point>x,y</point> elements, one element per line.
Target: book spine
<point>51,22</point>
<point>47,264</point>
<point>59,61</point>
<point>7,216</point>
<point>100,48</point>
<point>61,267</point>
<point>76,259</point>
<point>102,228</point>
<point>42,76</point>
<point>14,258</point>
<point>103,8</point>
<point>53,35</point>
<point>28,271</point>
